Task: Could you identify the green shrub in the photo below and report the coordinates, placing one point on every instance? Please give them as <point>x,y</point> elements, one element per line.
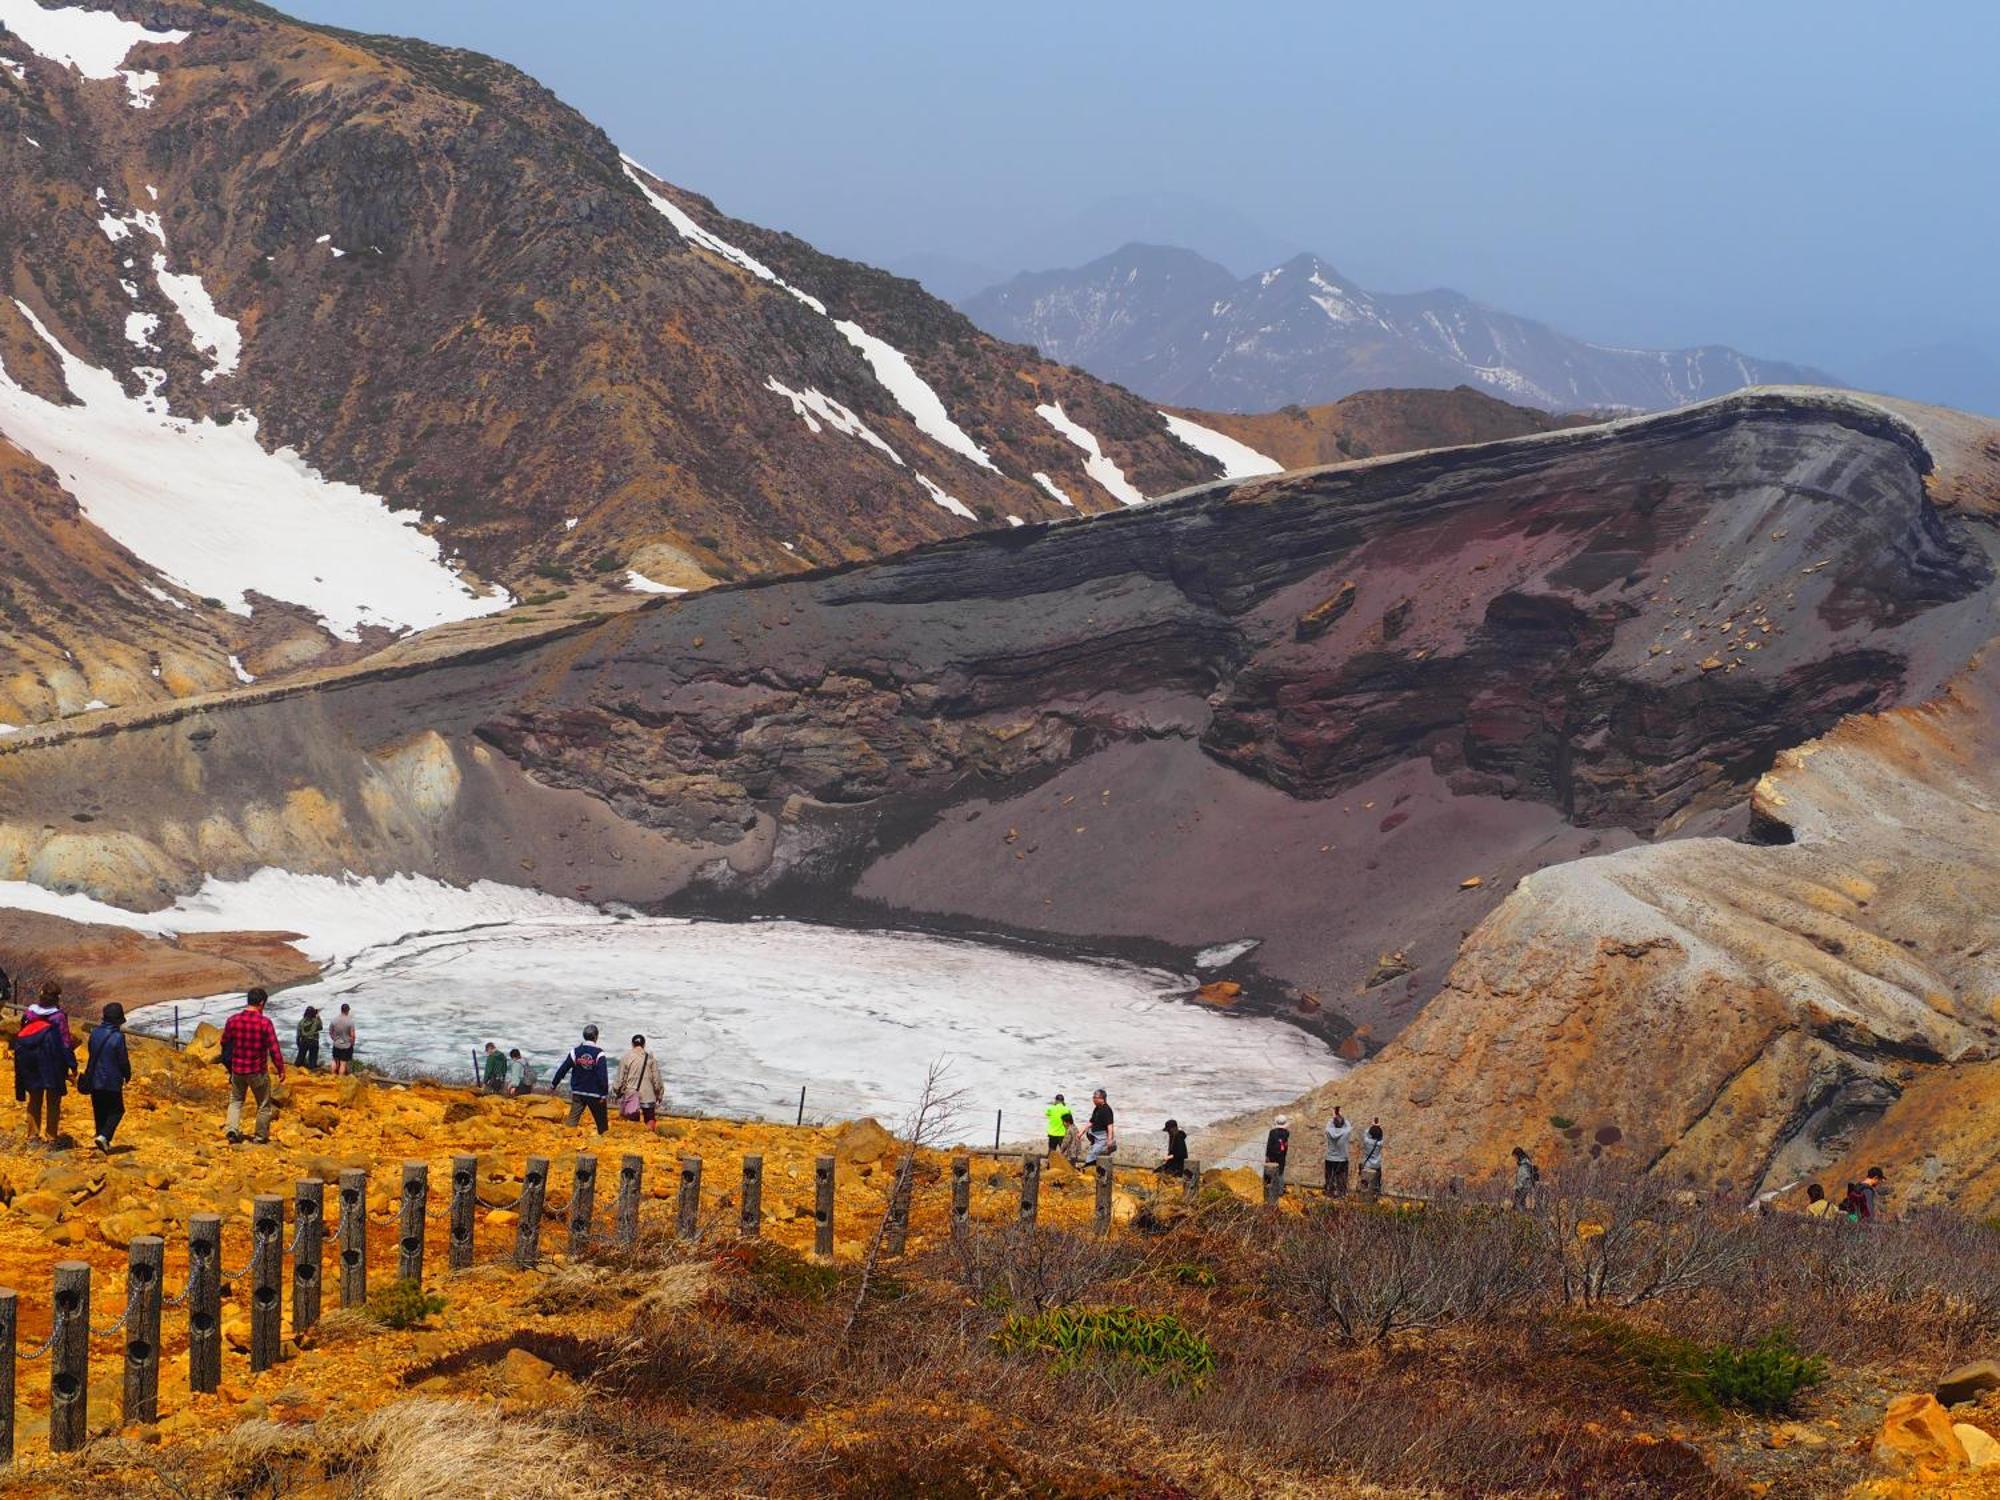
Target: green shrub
<point>1562,1122</point>
<point>605,563</point>
<point>1763,1377</point>
<point>1160,1345</point>
<point>403,1304</point>
<point>1187,1273</point>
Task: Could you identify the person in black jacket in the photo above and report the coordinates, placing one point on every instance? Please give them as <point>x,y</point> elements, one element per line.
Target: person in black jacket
<point>1278,1144</point>
<point>590,1081</point>
<point>106,1071</point>
<point>1176,1163</point>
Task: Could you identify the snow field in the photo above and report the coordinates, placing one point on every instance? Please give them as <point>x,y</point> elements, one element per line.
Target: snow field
<point>1239,460</point>
<point>1095,464</point>
<point>94,42</point>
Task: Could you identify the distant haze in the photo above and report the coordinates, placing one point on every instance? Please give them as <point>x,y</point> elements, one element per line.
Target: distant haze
<point>1808,182</point>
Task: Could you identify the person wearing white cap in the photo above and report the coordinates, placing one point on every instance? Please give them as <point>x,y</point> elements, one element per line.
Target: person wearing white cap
<point>1278,1143</point>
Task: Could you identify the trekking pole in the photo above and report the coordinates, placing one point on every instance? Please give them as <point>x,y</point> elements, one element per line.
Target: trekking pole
<point>802,1104</point>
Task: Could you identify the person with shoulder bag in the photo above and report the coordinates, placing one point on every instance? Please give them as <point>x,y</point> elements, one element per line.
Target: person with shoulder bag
<point>639,1090</point>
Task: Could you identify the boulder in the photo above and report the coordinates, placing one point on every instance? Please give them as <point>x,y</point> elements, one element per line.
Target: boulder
<point>120,1229</point>
<point>1982,1449</point>
<point>205,1045</point>
<point>521,1372</point>
<point>40,1207</point>
<point>1968,1382</point>
<point>862,1141</point>
<point>547,1109</point>
<point>1917,1434</point>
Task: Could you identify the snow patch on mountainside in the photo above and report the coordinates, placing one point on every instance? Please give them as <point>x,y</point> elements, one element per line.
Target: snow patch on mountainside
<point>1054,490</point>
<point>1095,463</point>
<point>815,407</point>
<point>213,334</point>
<point>94,42</point>
<point>639,583</point>
<point>956,506</point>
<point>892,368</point>
<point>208,507</point>
<point>1238,460</point>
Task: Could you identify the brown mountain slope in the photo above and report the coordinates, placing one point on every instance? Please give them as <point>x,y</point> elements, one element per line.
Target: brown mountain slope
<point>449,291</point>
<point>1371,423</point>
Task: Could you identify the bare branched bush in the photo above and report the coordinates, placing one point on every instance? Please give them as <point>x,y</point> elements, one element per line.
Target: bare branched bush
<point>1626,1241</point>
<point>1372,1274</point>
<point>1037,1269</point>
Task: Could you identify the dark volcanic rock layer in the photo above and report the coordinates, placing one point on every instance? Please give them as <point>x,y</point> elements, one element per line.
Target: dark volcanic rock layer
<point>1339,712</point>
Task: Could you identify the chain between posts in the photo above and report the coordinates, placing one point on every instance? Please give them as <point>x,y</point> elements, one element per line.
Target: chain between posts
<point>55,1332</point>
<point>105,1333</point>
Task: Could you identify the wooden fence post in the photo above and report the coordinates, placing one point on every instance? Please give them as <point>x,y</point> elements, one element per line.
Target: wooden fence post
<point>1191,1182</point>
<point>309,1209</point>
<point>410,1230</point>
<point>204,1301</point>
<point>354,1237</point>
<point>687,1212</point>
<point>464,1201</point>
<point>1103,1221</point>
<point>1274,1182</point>
<point>528,1238</point>
<point>267,1268</point>
<point>896,1234</point>
<point>1031,1188</point>
<point>582,1204</point>
<point>10,1310</point>
<point>750,1218</point>
<point>823,1206</point>
<point>69,1358</point>
<point>631,1176</point>
<point>146,1265</point>
<point>961,1193</point>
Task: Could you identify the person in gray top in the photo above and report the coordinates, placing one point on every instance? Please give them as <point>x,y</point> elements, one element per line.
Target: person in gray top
<point>1526,1175</point>
<point>340,1035</point>
<point>1371,1161</point>
<point>1339,1131</point>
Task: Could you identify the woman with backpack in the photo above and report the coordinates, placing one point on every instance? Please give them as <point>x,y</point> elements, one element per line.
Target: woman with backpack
<point>308,1040</point>
<point>639,1090</point>
<point>106,1071</point>
<point>44,1063</point>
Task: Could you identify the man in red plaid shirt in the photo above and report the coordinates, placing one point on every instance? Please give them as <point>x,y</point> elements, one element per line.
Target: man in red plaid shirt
<point>249,1051</point>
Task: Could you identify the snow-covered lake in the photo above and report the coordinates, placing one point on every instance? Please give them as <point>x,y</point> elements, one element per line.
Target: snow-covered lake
<point>744,1014</point>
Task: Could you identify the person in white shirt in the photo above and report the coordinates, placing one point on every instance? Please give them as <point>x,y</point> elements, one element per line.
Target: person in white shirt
<point>1339,1131</point>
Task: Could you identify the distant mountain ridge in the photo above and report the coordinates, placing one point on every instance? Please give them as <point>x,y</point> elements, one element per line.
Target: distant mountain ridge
<point>1178,328</point>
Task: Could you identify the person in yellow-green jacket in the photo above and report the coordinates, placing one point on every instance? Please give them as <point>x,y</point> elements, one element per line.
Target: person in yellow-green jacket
<point>1060,1123</point>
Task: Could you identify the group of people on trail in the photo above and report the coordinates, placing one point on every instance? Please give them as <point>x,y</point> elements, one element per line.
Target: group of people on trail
<point>1098,1137</point>
<point>1860,1204</point>
<point>506,1072</point>
<point>1338,1159</point>
<point>45,1066</point>
<point>638,1087</point>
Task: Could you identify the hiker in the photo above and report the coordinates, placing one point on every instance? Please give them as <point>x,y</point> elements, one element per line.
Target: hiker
<point>1818,1205</point>
<point>1371,1161</point>
<point>250,1052</point>
<point>1526,1175</point>
<point>1338,1133</point>
<point>6,989</point>
<point>1059,1122</point>
<point>44,1063</point>
<point>307,1037</point>
<point>493,1073</point>
<point>1873,1184</point>
<point>1176,1163</point>
<point>640,1092</point>
<point>106,1072</point>
<point>1103,1132</point>
<point>590,1080</point>
<point>1278,1144</point>
<point>341,1035</point>
<point>520,1073</point>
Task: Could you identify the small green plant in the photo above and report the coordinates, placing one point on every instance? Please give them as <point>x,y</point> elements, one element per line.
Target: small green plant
<point>1562,1122</point>
<point>404,1304</point>
<point>1160,1345</point>
<point>1187,1273</point>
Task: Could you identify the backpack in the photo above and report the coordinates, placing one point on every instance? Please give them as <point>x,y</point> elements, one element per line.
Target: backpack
<point>1534,1173</point>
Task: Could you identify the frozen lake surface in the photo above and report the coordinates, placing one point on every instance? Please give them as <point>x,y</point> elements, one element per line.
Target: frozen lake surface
<point>745,1013</point>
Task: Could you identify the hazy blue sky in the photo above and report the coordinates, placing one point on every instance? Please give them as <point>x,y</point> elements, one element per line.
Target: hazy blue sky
<point>1807,180</point>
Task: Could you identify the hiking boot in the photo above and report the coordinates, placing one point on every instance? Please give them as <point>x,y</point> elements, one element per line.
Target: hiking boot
<point>103,1145</point>
<point>235,1137</point>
